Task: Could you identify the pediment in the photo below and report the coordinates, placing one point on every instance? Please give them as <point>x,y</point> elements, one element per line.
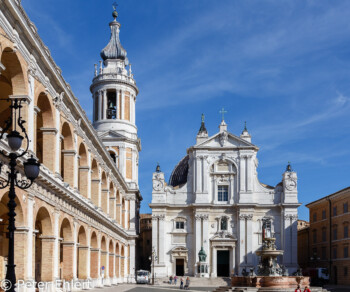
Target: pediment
<point>223,236</point>
<point>110,134</point>
<point>225,140</point>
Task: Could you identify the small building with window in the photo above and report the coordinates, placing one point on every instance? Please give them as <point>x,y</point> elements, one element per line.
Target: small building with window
<point>207,220</point>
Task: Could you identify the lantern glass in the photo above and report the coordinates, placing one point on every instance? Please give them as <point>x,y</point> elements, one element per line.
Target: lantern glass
<point>31,168</point>
<point>14,140</point>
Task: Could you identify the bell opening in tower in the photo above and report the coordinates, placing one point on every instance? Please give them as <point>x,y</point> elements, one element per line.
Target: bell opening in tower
<point>111,102</point>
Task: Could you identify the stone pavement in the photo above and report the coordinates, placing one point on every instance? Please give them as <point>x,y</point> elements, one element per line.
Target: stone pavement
<point>147,288</point>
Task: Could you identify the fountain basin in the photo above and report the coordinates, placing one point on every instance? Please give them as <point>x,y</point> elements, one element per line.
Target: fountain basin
<point>270,281</point>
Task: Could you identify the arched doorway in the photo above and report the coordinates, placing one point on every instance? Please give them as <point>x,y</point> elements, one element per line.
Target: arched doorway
<point>94,252</point>
<point>45,133</point>
<point>44,247</point>
<point>111,259</point>
<point>12,82</point>
<point>103,257</point>
<point>117,260</point>
<point>104,193</point>
<point>122,262</point>
<point>83,171</point>
<point>67,155</point>
<point>95,183</point>
<point>82,254</point>
<point>66,251</point>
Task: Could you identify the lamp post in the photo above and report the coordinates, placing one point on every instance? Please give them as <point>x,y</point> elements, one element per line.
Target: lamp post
<point>31,170</point>
<point>153,258</point>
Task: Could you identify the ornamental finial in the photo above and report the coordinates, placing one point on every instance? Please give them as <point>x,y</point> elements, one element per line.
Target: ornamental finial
<point>289,167</point>
<point>158,168</point>
<point>223,112</point>
<point>245,126</point>
<point>202,118</point>
<point>115,13</point>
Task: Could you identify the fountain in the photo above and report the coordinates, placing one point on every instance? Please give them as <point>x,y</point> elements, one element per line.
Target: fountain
<point>271,276</point>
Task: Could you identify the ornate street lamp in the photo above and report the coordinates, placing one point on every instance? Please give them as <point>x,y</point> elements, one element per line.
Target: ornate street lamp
<point>31,170</point>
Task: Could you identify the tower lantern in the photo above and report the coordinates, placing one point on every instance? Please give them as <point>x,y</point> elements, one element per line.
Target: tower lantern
<point>114,94</point>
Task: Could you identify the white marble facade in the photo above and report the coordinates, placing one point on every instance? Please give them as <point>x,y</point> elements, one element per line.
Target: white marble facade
<point>214,200</point>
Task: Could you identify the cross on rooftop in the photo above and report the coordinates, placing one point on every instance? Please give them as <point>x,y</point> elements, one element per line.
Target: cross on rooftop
<point>223,112</point>
<point>115,6</point>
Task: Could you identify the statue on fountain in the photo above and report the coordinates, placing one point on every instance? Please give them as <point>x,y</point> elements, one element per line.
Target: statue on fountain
<point>268,265</point>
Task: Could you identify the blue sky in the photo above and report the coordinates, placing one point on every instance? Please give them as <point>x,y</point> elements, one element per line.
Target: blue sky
<point>282,66</point>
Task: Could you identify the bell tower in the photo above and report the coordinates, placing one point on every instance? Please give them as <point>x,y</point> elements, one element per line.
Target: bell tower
<point>114,94</point>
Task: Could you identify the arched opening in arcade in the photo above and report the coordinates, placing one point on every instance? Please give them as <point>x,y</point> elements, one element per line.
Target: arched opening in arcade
<point>94,254</point>
<point>82,254</point>
<point>66,250</point>
<point>44,247</point>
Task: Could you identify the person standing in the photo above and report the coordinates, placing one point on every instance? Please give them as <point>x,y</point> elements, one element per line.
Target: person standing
<point>298,289</point>
<point>170,279</point>
<point>175,280</point>
<point>307,289</point>
<point>187,286</point>
<point>181,283</point>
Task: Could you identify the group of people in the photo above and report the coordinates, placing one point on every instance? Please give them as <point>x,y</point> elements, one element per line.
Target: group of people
<point>187,283</point>
<point>298,289</point>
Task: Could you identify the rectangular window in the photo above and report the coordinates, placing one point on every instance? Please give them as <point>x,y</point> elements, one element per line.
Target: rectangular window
<point>334,252</point>
<point>346,231</point>
<point>323,214</point>
<point>315,217</point>
<point>324,252</point>
<point>314,234</point>
<point>180,225</point>
<point>222,193</point>
<point>335,211</point>
<point>345,207</point>
<point>345,271</point>
<point>324,234</point>
<point>346,252</point>
<point>335,233</point>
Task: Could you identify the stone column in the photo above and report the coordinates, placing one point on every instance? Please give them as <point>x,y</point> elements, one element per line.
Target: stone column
<point>126,215</point>
<point>29,246</point>
<point>132,259</point>
<point>123,106</point>
<point>155,233</point>
<point>88,262</point>
<point>249,174</point>
<point>89,175</point>
<point>205,175</point>
<point>100,105</point>
<point>122,160</point>
<point>58,143</point>
<point>21,252</point>
<point>242,173</point>
<point>214,263</point>
<point>75,251</point>
<point>205,233</point>
<point>198,237</point>
<point>118,103</point>
<point>30,120</point>
<point>132,213</point>
<point>161,239</point>
<point>198,174</point>
<point>242,240</point>
<point>56,243</point>
<point>105,106</point>
<point>118,213</point>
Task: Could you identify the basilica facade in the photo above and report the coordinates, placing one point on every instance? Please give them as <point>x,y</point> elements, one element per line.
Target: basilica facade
<point>79,219</point>
<point>207,220</point>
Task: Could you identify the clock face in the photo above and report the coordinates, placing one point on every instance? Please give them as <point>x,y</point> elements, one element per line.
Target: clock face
<point>291,185</point>
<point>157,185</point>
